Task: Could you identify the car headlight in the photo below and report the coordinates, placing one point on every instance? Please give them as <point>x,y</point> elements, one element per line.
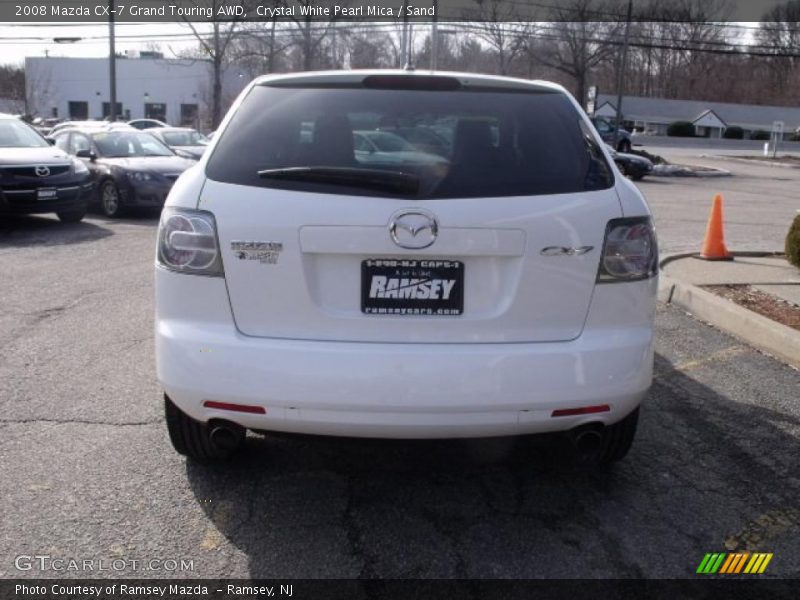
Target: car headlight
<point>140,176</point>
<point>80,167</point>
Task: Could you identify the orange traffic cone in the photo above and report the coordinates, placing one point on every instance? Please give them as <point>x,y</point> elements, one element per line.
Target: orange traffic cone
<point>714,242</point>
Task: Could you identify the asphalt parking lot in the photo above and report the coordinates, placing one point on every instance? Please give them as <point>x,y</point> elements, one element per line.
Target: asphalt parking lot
<point>87,471</point>
<point>760,203</point>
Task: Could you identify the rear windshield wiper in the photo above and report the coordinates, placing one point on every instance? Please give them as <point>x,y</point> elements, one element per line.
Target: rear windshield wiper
<point>373,179</point>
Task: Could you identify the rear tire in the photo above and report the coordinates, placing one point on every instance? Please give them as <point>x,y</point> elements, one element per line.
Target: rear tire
<point>618,439</point>
<point>72,216</point>
<point>192,438</point>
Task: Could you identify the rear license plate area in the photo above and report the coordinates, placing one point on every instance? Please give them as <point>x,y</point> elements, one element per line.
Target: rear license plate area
<point>399,286</point>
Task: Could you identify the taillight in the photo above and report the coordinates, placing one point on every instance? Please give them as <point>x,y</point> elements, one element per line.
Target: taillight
<point>630,251</point>
<point>187,242</point>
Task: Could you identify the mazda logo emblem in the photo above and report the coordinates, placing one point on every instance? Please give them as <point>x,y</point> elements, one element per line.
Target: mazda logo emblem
<point>42,171</point>
<point>413,229</point>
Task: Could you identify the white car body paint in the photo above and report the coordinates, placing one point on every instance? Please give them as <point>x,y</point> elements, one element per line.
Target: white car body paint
<point>537,334</point>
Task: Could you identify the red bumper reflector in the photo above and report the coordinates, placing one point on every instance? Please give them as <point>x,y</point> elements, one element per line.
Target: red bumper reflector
<point>245,408</point>
<point>585,410</point>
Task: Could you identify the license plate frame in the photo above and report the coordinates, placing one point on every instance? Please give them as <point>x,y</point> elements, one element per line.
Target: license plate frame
<point>442,278</point>
<point>46,193</point>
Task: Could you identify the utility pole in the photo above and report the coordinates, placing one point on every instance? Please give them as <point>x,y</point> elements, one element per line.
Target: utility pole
<point>112,64</point>
<point>333,46</point>
<point>621,74</point>
<point>404,38</point>
<point>409,53</point>
<point>435,37</point>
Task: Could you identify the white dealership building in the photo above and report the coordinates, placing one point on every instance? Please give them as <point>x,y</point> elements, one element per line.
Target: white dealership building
<point>177,91</point>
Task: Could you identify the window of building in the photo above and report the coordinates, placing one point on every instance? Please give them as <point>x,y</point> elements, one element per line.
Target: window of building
<point>155,110</point>
<point>107,109</point>
<point>189,114</point>
<point>78,111</point>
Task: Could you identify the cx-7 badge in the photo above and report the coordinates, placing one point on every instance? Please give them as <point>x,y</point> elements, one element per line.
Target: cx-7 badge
<point>563,251</point>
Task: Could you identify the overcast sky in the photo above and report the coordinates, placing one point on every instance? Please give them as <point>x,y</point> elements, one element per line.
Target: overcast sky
<point>20,40</point>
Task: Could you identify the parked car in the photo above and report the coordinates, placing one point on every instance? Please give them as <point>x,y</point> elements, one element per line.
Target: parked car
<point>129,167</point>
<point>631,165</point>
<point>185,141</point>
<point>606,130</point>
<point>44,126</point>
<point>147,124</point>
<point>423,139</point>
<point>92,124</point>
<point>509,290</point>
<point>72,124</point>
<point>36,178</point>
<point>378,146</point>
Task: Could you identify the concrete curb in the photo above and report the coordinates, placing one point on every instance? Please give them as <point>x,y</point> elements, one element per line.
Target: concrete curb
<point>744,253</point>
<point>760,332</point>
<point>754,161</point>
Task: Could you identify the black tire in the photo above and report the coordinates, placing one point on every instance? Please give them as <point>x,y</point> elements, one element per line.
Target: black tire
<point>192,438</point>
<point>617,439</point>
<point>72,216</point>
<point>110,202</point>
<point>637,177</point>
<point>624,146</point>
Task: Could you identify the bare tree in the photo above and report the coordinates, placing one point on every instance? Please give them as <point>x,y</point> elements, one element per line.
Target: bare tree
<point>309,30</point>
<point>578,40</point>
<point>371,49</point>
<point>261,45</point>
<point>680,30</point>
<point>12,86</point>
<point>215,46</point>
<point>779,34</point>
<point>447,50</point>
<point>495,25</point>
<point>39,94</point>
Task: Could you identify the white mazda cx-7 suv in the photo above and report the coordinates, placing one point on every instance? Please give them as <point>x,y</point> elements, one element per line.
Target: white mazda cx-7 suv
<point>404,255</point>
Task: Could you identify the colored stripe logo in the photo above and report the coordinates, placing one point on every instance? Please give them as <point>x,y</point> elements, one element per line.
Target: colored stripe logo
<point>734,563</point>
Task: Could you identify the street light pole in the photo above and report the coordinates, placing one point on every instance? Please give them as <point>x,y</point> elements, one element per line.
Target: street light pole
<point>112,64</point>
<point>621,75</point>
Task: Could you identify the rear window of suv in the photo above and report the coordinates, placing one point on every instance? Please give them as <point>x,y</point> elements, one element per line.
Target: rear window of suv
<point>437,143</point>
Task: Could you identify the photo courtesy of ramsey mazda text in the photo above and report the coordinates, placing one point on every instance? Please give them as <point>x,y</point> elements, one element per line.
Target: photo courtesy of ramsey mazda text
<point>405,255</point>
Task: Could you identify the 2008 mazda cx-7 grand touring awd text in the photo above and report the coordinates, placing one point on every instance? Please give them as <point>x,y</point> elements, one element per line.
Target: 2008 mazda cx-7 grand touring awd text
<point>503,283</point>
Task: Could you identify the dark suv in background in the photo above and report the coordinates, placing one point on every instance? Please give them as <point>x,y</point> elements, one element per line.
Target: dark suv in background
<point>606,129</point>
<point>35,177</point>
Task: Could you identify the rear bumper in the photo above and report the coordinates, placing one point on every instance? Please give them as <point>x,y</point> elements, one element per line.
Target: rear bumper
<point>401,390</point>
